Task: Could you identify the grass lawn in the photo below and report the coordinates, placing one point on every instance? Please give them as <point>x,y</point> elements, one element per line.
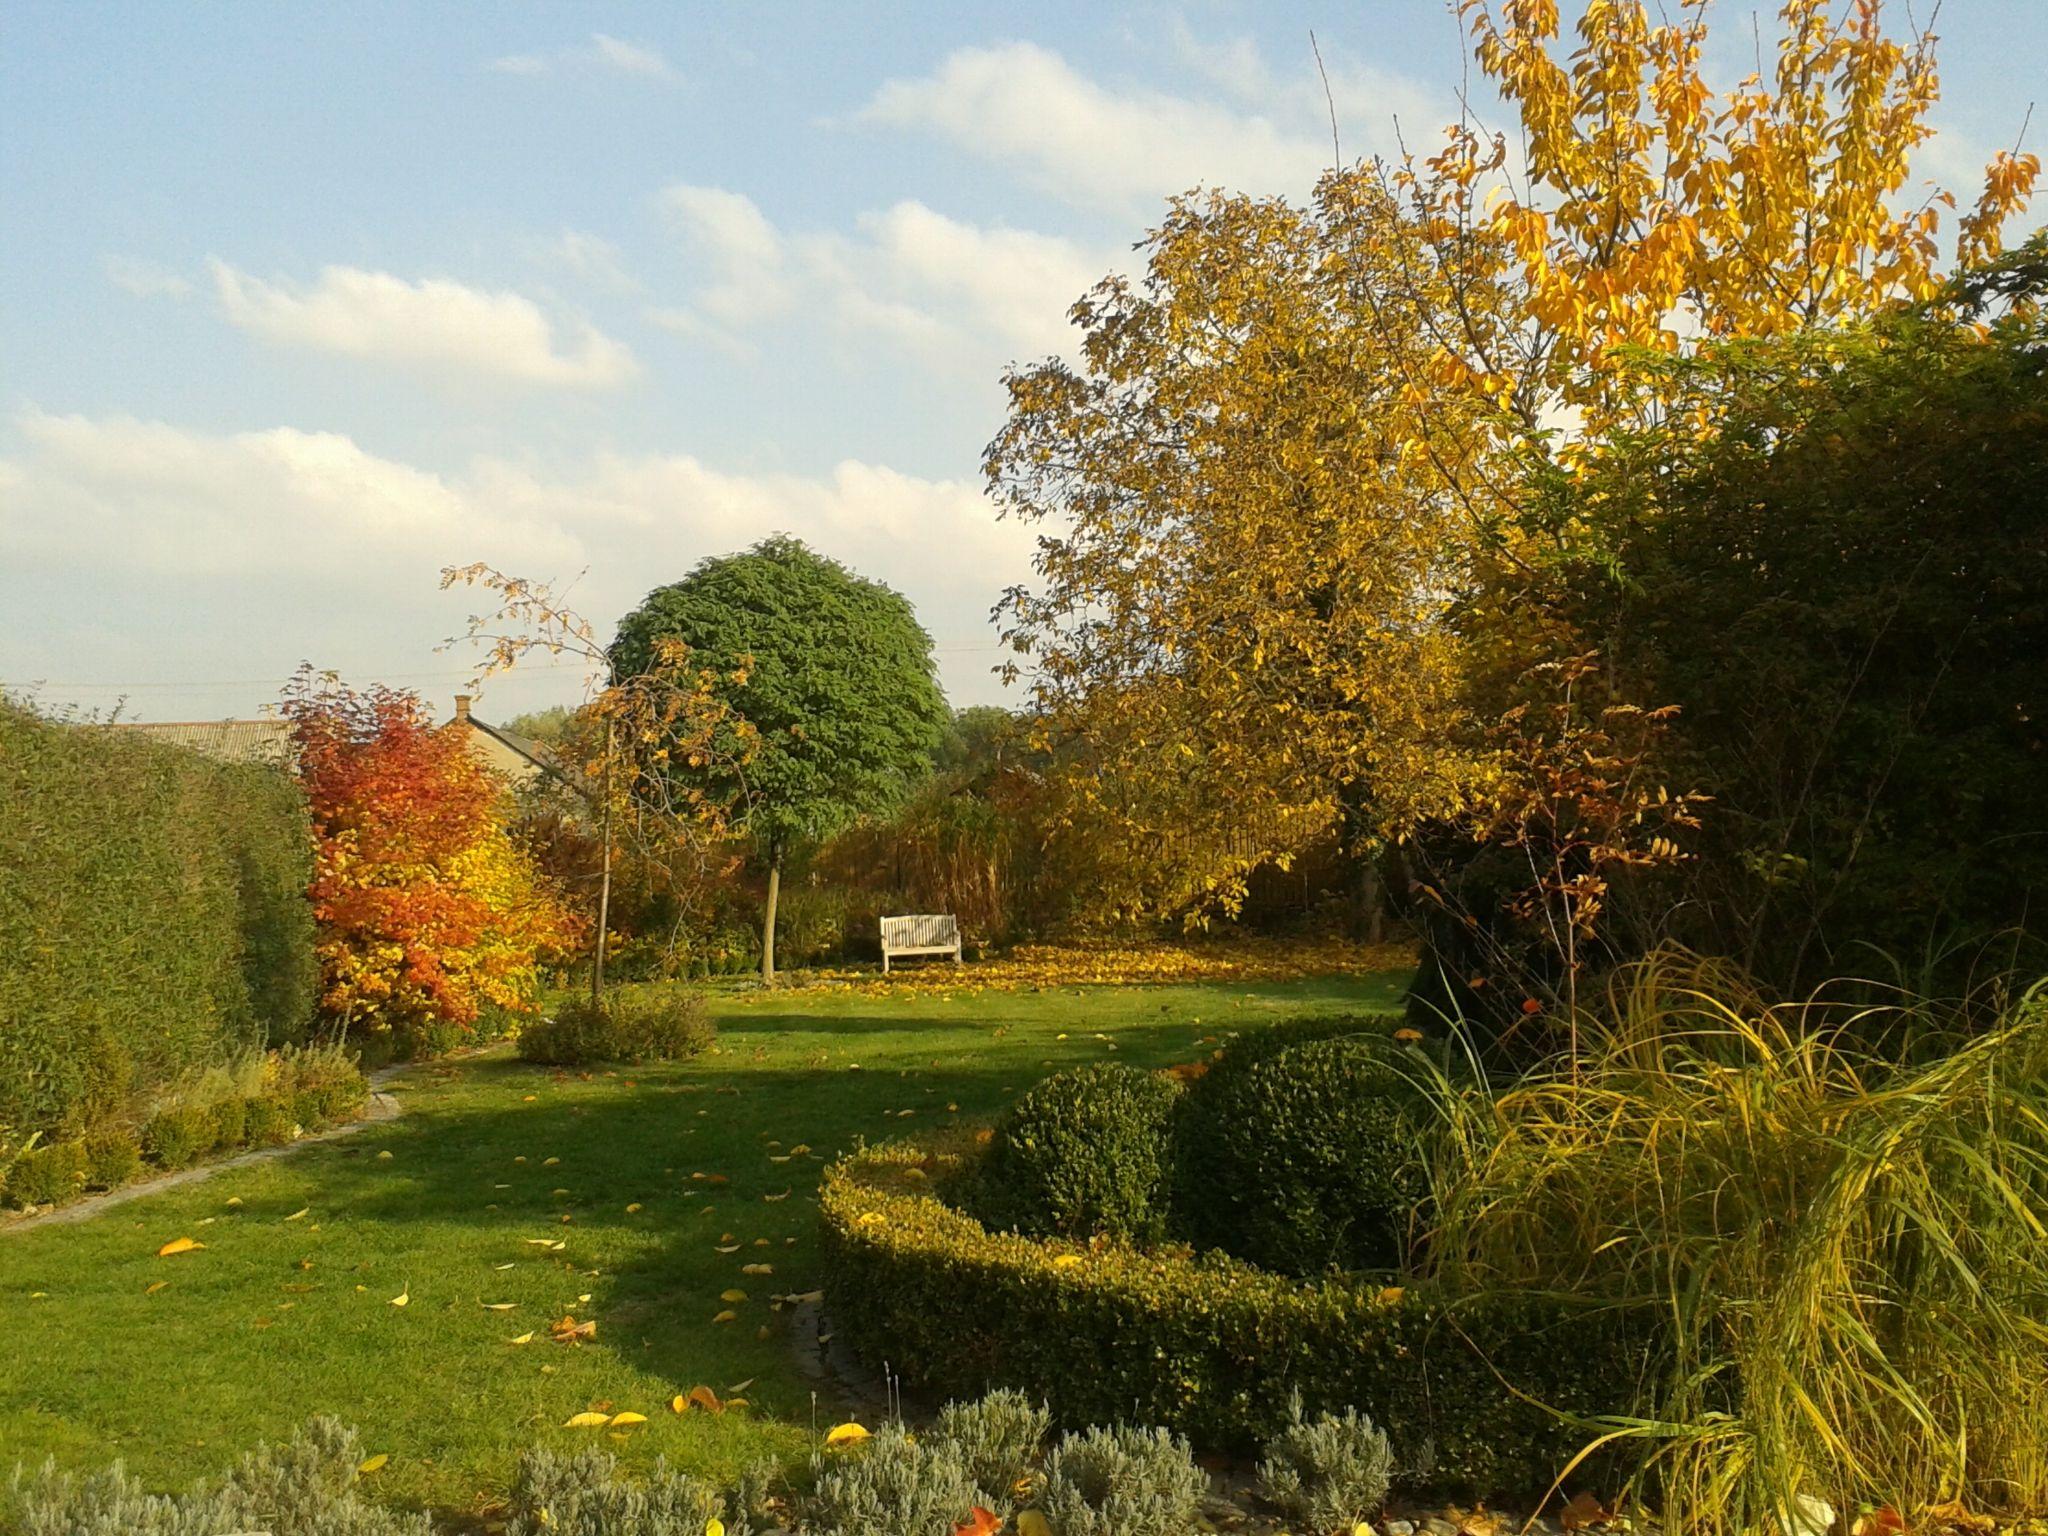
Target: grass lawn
<point>288,1312</point>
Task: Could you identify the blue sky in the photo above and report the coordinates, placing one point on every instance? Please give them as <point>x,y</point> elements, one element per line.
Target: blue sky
<point>300,303</point>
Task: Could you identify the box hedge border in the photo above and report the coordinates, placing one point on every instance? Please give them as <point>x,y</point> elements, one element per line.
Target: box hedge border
<point>1485,1396</point>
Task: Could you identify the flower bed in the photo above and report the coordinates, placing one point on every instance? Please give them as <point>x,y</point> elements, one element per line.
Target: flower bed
<point>1481,1396</point>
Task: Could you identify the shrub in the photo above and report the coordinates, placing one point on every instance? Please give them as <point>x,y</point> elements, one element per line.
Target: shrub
<point>175,1135</point>
<point>585,1495</point>
<point>111,1159</point>
<point>48,1174</point>
<point>889,1482</point>
<point>1084,1152</point>
<point>1211,1346</point>
<point>153,916</point>
<point>1122,1482</point>
<point>663,1024</point>
<point>1306,1158</point>
<point>998,1439</point>
<point>270,1120</point>
<point>305,1488</point>
<point>1330,1473</point>
<point>229,1123</point>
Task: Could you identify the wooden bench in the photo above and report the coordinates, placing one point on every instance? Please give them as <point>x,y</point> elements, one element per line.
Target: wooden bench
<point>931,934</point>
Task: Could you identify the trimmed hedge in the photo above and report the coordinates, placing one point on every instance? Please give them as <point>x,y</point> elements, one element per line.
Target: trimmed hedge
<point>1307,1158</point>
<point>1210,1346</point>
<point>1083,1152</point>
<point>153,918</point>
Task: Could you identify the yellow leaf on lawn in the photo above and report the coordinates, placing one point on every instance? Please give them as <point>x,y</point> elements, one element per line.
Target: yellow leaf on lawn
<point>732,1295</point>
<point>373,1463</point>
<point>524,1338</point>
<point>500,1306</point>
<point>550,1162</point>
<point>741,1386</point>
<point>154,1286</point>
<point>587,1421</point>
<point>726,1248</point>
<point>304,1210</point>
<point>727,1316</point>
<point>384,1156</point>
<point>846,1434</point>
<point>771,1199</point>
<point>633,1207</point>
<point>757,1269</point>
<point>703,1397</point>
<point>178,1245</point>
<point>714,1527</point>
<point>403,1298</point>
<point>620,1420</point>
<point>234,1200</point>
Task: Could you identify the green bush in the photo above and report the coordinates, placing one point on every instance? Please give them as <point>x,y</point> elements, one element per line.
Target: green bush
<point>175,1135</point>
<point>270,1120</point>
<point>586,1495</point>
<point>229,1121</point>
<point>652,1024</point>
<point>1208,1345</point>
<point>1122,1482</point>
<point>1084,1152</point>
<point>1307,1158</point>
<point>1330,1473</point>
<point>48,1174</point>
<point>998,1439</point>
<point>890,1482</point>
<point>309,1487</point>
<point>153,917</point>
<point>111,1159</point>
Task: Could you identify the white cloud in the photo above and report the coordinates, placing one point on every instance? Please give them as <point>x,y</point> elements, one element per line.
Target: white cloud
<point>950,291</point>
<point>1125,148</point>
<point>603,52</point>
<point>333,551</point>
<point>631,58</point>
<point>146,279</point>
<point>434,323</point>
<point>592,258</point>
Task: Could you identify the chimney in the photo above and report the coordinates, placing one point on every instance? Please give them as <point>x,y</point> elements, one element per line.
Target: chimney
<point>462,709</point>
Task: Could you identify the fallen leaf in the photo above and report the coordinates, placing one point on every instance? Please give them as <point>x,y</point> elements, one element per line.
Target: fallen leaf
<point>703,1397</point>
<point>500,1306</point>
<point>403,1298</point>
<point>846,1434</point>
<point>1584,1510</point>
<point>304,1210</point>
<point>178,1245</point>
<point>633,1207</point>
<point>732,1295</point>
<point>621,1420</point>
<point>524,1338</point>
<point>587,1421</point>
<point>154,1286</point>
<point>727,1316</point>
<point>374,1463</point>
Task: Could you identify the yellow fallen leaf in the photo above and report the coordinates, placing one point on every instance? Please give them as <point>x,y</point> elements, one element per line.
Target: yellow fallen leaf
<point>679,1404</point>
<point>727,1316</point>
<point>373,1463</point>
<point>403,1298</point>
<point>732,1295</point>
<point>178,1245</point>
<point>633,1207</point>
<point>550,1162</point>
<point>302,1211</point>
<point>154,1286</point>
<point>584,1297</point>
<point>384,1156</point>
<point>620,1420</point>
<point>714,1527</point>
<point>727,1248</point>
<point>846,1434</point>
<point>524,1338</point>
<point>234,1200</point>
<point>500,1306</point>
<point>757,1269</point>
<point>741,1386</point>
<point>587,1421</point>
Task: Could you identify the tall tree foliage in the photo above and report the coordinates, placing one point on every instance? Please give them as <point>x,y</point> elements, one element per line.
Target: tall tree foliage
<point>429,916</point>
<point>830,677</point>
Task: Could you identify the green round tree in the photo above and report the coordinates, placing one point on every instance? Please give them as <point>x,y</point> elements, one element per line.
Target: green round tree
<point>835,676</point>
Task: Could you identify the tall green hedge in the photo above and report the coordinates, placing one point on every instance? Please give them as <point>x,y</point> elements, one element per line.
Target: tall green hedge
<point>1485,1395</point>
<point>153,917</point>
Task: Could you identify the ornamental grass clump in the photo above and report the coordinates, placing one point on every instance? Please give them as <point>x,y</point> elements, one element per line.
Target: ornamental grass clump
<point>1122,1482</point>
<point>1329,1473</point>
<point>1850,1254</point>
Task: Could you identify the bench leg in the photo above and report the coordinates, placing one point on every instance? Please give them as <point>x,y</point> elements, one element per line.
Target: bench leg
<point>885,962</point>
<point>956,954</point>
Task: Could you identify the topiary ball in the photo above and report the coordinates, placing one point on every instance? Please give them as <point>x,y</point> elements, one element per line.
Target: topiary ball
<point>1310,1158</point>
<point>1083,1153</point>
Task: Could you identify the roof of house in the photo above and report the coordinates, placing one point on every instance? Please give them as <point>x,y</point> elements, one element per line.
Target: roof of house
<point>535,752</point>
<point>229,741</point>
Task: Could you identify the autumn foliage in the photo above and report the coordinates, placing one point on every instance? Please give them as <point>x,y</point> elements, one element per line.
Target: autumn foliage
<point>430,916</point>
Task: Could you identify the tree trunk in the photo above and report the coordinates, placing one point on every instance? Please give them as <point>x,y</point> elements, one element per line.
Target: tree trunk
<point>604,881</point>
<point>768,920</point>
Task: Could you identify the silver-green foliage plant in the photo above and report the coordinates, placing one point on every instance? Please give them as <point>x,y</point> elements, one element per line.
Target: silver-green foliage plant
<point>1327,1473</point>
<point>998,1439</point>
<point>892,1484</point>
<point>1122,1482</point>
<point>309,1487</point>
<point>585,1495</point>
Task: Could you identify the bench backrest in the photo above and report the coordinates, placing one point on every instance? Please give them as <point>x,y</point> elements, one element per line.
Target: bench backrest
<point>926,931</point>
